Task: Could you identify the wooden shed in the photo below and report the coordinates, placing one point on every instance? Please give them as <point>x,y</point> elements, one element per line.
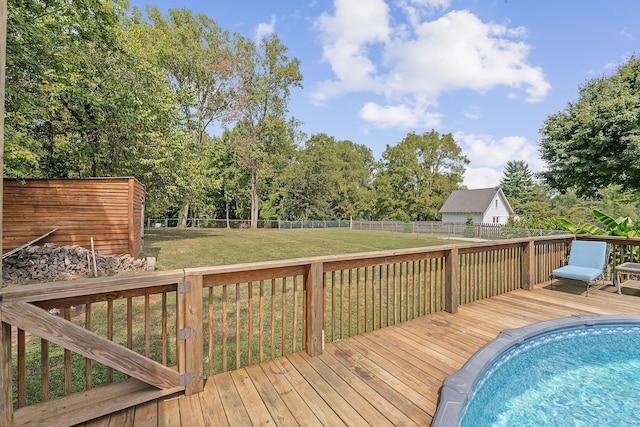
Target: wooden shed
<point>109,210</point>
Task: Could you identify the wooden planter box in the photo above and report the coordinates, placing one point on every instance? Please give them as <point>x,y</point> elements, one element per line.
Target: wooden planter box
<point>109,210</point>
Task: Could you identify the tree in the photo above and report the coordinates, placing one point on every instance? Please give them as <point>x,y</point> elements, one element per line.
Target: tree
<point>43,41</point>
<point>87,99</point>
<point>199,59</point>
<point>264,138</point>
<point>327,179</point>
<point>595,141</point>
<point>517,180</point>
<point>417,175</point>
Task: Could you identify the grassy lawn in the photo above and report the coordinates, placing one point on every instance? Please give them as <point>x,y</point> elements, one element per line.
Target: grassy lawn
<point>184,248</point>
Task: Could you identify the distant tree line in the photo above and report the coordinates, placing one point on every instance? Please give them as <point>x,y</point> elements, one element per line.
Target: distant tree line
<point>94,88</point>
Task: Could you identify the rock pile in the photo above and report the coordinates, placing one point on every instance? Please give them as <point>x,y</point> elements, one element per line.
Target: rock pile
<point>50,262</point>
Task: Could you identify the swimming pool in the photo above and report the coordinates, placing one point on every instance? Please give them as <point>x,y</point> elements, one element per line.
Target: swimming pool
<point>576,371</point>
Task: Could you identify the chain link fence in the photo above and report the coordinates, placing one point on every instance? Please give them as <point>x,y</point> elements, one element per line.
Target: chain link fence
<point>435,228</point>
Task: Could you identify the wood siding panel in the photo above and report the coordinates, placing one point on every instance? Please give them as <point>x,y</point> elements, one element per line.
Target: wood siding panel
<point>108,209</point>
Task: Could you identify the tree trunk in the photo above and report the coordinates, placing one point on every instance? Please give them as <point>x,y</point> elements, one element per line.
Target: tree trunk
<point>254,198</point>
<point>226,202</point>
<point>185,215</point>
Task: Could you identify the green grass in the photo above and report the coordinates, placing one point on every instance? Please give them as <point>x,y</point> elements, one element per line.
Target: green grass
<point>185,248</point>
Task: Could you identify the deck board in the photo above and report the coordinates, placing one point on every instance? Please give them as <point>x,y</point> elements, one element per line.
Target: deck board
<point>390,376</point>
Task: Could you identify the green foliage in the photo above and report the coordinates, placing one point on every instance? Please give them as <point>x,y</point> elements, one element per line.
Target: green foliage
<point>517,180</point>
<point>416,176</point>
<point>327,179</point>
<point>595,142</point>
<point>469,229</point>
<point>620,226</point>
<point>264,139</point>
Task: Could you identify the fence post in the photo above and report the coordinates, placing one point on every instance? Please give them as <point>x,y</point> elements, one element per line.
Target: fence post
<point>528,264</point>
<point>190,334</point>
<point>6,382</point>
<point>315,309</point>
<point>451,284</point>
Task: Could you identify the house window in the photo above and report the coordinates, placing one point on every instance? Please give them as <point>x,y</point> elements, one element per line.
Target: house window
<point>496,204</point>
<point>496,220</point>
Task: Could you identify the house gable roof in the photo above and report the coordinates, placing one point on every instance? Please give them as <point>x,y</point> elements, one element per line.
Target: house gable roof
<point>473,201</point>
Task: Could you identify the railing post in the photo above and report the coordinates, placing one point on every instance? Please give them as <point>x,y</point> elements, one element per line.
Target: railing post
<point>315,309</point>
<point>6,386</point>
<point>190,334</point>
<point>451,283</point>
<point>528,266</point>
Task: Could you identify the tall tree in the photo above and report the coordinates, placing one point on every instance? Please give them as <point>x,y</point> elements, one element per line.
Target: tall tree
<point>199,59</point>
<point>595,141</point>
<point>417,175</point>
<point>265,138</point>
<point>46,44</point>
<point>517,179</point>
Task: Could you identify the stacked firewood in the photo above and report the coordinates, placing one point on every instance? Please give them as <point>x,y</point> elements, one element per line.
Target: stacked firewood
<point>50,262</point>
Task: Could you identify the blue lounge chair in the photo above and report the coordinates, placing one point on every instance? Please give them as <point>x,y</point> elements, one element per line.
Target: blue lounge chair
<point>587,262</point>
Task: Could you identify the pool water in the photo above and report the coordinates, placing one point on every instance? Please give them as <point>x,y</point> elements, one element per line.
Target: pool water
<point>577,377</point>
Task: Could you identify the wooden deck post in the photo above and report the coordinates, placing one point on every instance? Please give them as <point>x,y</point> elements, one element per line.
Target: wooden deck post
<point>6,387</point>
<point>451,283</point>
<point>190,334</point>
<point>528,266</point>
<point>315,307</point>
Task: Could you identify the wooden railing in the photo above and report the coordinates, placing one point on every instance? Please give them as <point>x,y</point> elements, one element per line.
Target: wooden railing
<point>73,351</point>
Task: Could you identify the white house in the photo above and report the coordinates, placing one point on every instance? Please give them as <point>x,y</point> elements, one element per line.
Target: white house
<point>483,205</point>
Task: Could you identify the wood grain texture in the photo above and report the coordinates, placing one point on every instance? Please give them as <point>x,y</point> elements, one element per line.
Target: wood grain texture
<point>108,209</point>
<point>77,339</point>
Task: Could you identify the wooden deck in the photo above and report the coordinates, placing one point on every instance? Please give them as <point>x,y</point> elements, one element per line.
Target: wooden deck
<point>387,377</point>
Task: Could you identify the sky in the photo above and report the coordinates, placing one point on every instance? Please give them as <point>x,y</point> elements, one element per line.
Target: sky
<point>488,72</point>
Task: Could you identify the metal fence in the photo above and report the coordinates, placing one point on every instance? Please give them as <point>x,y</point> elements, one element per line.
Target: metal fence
<point>244,223</point>
<point>436,228</point>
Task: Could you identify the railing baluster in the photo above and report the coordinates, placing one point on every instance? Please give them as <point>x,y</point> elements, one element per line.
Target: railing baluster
<point>359,302</point>
<point>67,357</point>
<point>88,363</point>
<point>283,313</point>
<point>333,306</point>
<point>22,369</point>
<point>294,330</point>
<point>250,323</point>
<point>210,336</point>
<point>147,327</point>
<point>261,320</point>
<point>349,305</point>
<point>109,336</point>
<point>273,318</point>
<point>164,328</point>
<point>44,369</point>
<point>238,323</point>
<point>130,322</point>
<point>225,328</point>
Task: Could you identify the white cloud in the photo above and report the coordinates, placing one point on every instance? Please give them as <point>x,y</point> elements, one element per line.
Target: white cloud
<point>481,178</point>
<point>473,112</point>
<point>346,36</point>
<point>488,157</point>
<point>402,116</point>
<point>265,29</point>
<point>486,151</point>
<point>369,50</point>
